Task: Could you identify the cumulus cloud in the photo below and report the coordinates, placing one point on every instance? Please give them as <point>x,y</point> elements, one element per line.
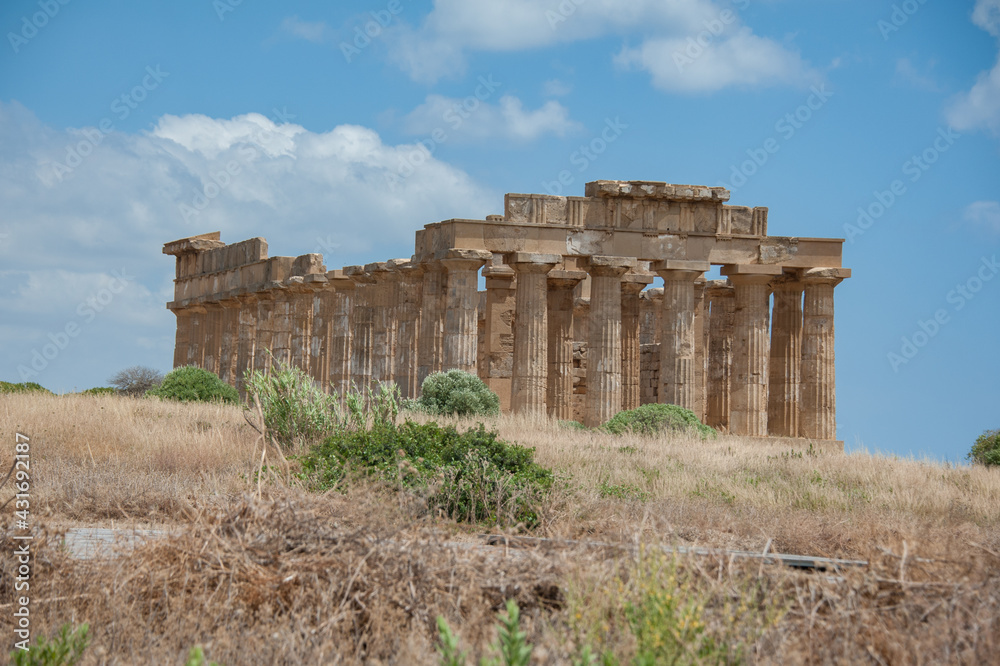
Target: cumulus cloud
<point>979,108</point>
<point>741,59</point>
<point>82,207</point>
<point>985,214</point>
<point>731,54</point>
<point>472,119</point>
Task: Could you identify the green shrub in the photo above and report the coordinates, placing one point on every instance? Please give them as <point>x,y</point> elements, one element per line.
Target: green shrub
<point>24,387</point>
<point>986,450</point>
<point>457,392</point>
<point>100,390</point>
<point>65,649</point>
<point>191,384</point>
<point>655,418</point>
<point>296,411</point>
<point>471,476</point>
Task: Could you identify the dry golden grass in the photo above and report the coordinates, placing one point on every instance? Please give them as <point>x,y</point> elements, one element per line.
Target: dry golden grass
<point>359,578</point>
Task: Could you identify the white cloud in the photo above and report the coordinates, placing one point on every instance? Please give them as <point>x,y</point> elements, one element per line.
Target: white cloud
<point>245,176</point>
<point>979,108</point>
<point>472,119</point>
<point>293,26</point>
<point>986,15</point>
<point>739,60</point>
<point>436,49</point>
<point>984,213</point>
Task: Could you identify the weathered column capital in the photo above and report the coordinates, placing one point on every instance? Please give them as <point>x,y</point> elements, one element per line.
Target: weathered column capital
<point>747,274</point>
<point>359,275</point>
<point>559,279</point>
<point>633,283</point>
<point>339,281</point>
<point>825,276</point>
<point>532,262</point>
<point>461,259</point>
<point>679,269</point>
<point>614,267</point>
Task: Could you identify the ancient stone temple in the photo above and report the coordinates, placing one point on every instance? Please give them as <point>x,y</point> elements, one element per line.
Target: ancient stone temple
<point>568,323</point>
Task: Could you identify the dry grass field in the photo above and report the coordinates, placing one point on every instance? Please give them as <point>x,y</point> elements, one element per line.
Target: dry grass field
<point>360,577</point>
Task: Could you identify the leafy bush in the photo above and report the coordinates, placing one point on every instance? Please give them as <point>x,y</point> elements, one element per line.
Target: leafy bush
<point>191,384</point>
<point>296,411</point>
<point>136,380</point>
<point>512,644</point>
<point>457,392</point>
<point>100,390</point>
<point>655,418</point>
<point>24,387</point>
<point>470,476</point>
<point>986,450</point>
<point>65,649</point>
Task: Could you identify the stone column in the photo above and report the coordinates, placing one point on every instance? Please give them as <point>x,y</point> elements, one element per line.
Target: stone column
<point>383,321</point>
<point>751,347</point>
<point>246,339</point>
<point>785,373</point>
<point>499,333</point>
<point>264,345</point>
<point>531,335</point>
<point>407,325</point>
<point>229,321</point>
<point>559,394</point>
<point>300,323</point>
<point>281,329</point>
<point>196,345</point>
<point>362,325</point>
<point>677,339</point>
<point>319,340</point>
<point>462,300</point>
<point>604,348</point>
<point>819,395</point>
<point>722,306</point>
<point>212,340</point>
<point>700,350</point>
<point>632,286</point>
<point>182,339</point>
<point>340,331</point>
<point>431,338</point>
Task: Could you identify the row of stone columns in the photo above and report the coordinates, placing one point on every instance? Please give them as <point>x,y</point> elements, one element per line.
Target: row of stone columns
<point>721,353</point>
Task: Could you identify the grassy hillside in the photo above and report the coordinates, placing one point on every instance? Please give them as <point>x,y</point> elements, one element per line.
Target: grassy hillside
<point>295,576</point>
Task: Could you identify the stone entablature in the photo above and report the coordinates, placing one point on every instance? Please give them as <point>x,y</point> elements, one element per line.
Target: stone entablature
<point>564,326</point>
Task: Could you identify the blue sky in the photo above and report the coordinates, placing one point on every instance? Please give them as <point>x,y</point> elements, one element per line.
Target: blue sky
<point>882,120</point>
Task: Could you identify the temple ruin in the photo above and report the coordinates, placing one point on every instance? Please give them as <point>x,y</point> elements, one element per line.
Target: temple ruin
<point>567,324</point>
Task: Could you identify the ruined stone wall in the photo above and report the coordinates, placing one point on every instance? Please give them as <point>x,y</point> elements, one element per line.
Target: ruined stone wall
<point>567,324</point>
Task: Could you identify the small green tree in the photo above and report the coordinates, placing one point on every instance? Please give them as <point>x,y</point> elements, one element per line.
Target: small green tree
<point>191,384</point>
<point>457,392</point>
<point>986,450</point>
